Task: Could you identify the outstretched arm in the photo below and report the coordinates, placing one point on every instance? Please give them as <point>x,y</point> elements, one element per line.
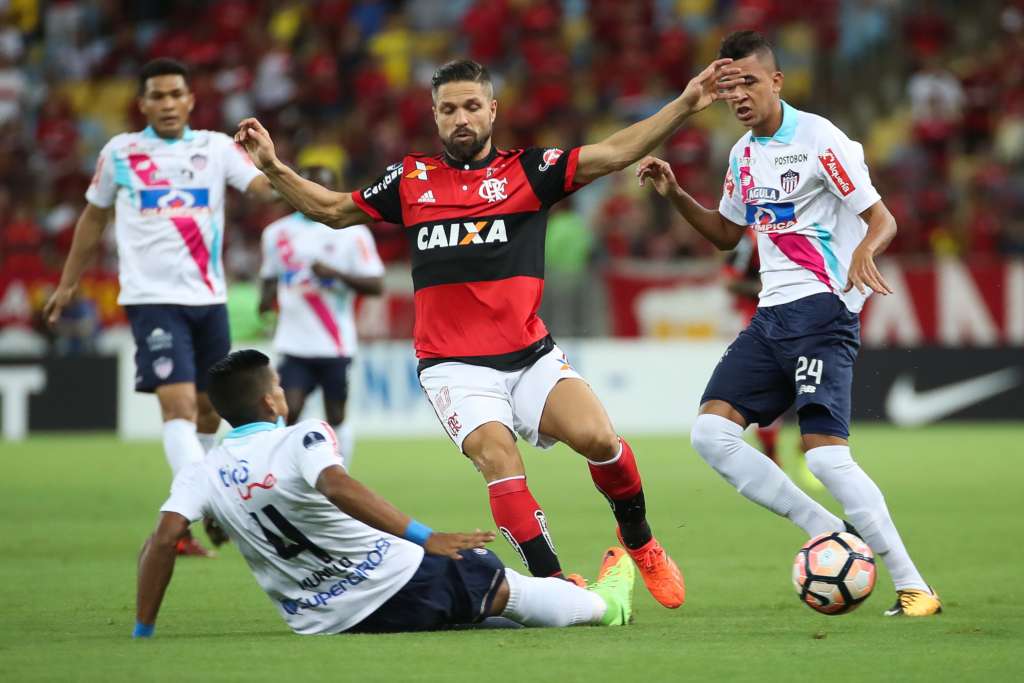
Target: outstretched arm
<point>372,285</point>
<point>336,209</point>
<point>619,150</point>
<point>863,271</point>
<point>359,502</point>
<point>714,227</point>
<point>156,565</point>
<point>84,245</point>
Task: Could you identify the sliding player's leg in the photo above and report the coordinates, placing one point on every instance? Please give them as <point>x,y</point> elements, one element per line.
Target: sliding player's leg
<point>552,403</point>
<point>749,385</point>
<point>445,592</point>
<point>473,404</point>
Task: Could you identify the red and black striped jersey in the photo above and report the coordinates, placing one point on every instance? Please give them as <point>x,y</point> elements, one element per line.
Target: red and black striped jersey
<point>476,233</point>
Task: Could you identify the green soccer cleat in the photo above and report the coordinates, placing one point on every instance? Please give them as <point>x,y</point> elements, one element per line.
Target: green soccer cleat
<point>614,585</point>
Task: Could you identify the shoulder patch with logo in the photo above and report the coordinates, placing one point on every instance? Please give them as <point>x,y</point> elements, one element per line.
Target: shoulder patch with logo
<point>836,173</point>
<point>313,439</point>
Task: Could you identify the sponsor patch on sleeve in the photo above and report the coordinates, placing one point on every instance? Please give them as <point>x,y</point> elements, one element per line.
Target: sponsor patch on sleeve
<point>730,184</point>
<point>836,173</point>
<point>313,439</point>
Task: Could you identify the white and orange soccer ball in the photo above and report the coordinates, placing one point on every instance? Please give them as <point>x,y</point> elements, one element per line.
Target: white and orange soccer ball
<point>834,573</point>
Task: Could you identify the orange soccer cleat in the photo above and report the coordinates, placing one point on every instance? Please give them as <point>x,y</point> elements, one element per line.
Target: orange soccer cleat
<point>662,577</point>
<point>576,579</point>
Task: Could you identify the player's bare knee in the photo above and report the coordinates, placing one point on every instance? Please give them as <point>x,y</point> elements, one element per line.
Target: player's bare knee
<point>500,599</point>
<point>600,443</point>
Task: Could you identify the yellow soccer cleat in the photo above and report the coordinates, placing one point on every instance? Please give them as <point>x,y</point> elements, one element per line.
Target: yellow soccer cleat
<point>915,603</point>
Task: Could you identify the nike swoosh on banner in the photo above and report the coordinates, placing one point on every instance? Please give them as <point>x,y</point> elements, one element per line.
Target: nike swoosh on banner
<point>908,407</point>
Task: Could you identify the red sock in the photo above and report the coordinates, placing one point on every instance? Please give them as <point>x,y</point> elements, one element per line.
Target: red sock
<point>618,479</point>
<point>522,523</point>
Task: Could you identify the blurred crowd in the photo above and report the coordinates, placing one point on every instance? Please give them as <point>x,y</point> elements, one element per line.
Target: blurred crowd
<point>935,90</point>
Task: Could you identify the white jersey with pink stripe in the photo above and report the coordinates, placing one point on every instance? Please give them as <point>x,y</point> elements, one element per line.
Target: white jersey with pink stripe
<point>316,314</point>
<point>802,191</point>
<point>168,198</point>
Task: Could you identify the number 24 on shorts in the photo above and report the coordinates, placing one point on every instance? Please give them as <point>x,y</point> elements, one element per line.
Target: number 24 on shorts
<point>808,367</point>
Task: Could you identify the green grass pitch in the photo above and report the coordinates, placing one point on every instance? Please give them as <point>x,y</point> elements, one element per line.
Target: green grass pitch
<point>76,510</point>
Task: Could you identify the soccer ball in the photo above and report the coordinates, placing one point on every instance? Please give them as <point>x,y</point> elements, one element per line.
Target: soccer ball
<point>833,573</point>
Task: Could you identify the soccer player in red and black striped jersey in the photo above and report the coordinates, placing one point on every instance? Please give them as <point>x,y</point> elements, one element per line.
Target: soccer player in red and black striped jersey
<point>476,217</point>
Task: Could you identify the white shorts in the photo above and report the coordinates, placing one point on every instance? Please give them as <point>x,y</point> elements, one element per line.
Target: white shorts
<point>466,396</point>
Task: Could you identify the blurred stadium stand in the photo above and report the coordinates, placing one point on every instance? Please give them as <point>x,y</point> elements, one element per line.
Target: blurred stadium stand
<point>933,88</point>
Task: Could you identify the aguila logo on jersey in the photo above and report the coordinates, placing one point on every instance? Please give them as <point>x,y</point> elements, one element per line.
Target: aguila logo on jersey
<point>420,172</point>
<point>761,194</point>
<point>174,200</point>
<point>790,179</point>
<point>493,190</point>
<point>550,158</point>
<point>835,171</point>
<point>461,234</point>
<point>771,217</point>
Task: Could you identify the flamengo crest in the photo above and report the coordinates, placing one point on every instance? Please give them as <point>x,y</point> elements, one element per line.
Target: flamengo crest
<point>493,190</point>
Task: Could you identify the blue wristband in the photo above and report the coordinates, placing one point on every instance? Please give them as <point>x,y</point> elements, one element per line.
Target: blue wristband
<point>417,533</point>
<point>143,630</point>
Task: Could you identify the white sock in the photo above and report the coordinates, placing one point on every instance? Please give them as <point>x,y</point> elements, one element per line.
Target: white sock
<point>550,602</point>
<point>720,442</point>
<point>865,507</point>
<point>346,442</point>
<point>207,441</point>
<point>180,444</point>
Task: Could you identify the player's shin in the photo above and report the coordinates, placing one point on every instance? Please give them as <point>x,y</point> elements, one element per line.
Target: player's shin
<point>550,602</point>
<point>522,522</point>
<point>865,507</point>
<point>618,480</point>
<point>719,441</point>
<point>181,446</point>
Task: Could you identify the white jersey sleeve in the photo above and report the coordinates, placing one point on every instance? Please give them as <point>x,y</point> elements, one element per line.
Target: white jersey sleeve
<point>319,450</point>
<point>842,165</point>
<point>239,170</point>
<point>188,496</point>
<point>102,190</point>
<point>731,206</point>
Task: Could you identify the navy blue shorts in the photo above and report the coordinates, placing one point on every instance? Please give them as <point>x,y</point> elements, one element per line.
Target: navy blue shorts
<point>176,343</point>
<point>306,374</point>
<point>798,353</point>
<point>443,593</point>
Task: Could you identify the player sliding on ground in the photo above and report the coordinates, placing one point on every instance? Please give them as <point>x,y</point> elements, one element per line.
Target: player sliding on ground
<point>803,186</point>
<point>332,555</point>
<point>476,216</point>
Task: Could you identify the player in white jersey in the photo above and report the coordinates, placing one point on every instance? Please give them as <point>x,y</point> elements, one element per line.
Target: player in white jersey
<point>164,189</point>
<point>804,187</point>
<point>314,273</point>
<point>332,555</point>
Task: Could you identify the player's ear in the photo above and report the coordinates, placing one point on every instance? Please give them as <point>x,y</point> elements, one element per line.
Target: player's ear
<point>777,79</point>
<point>494,109</point>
